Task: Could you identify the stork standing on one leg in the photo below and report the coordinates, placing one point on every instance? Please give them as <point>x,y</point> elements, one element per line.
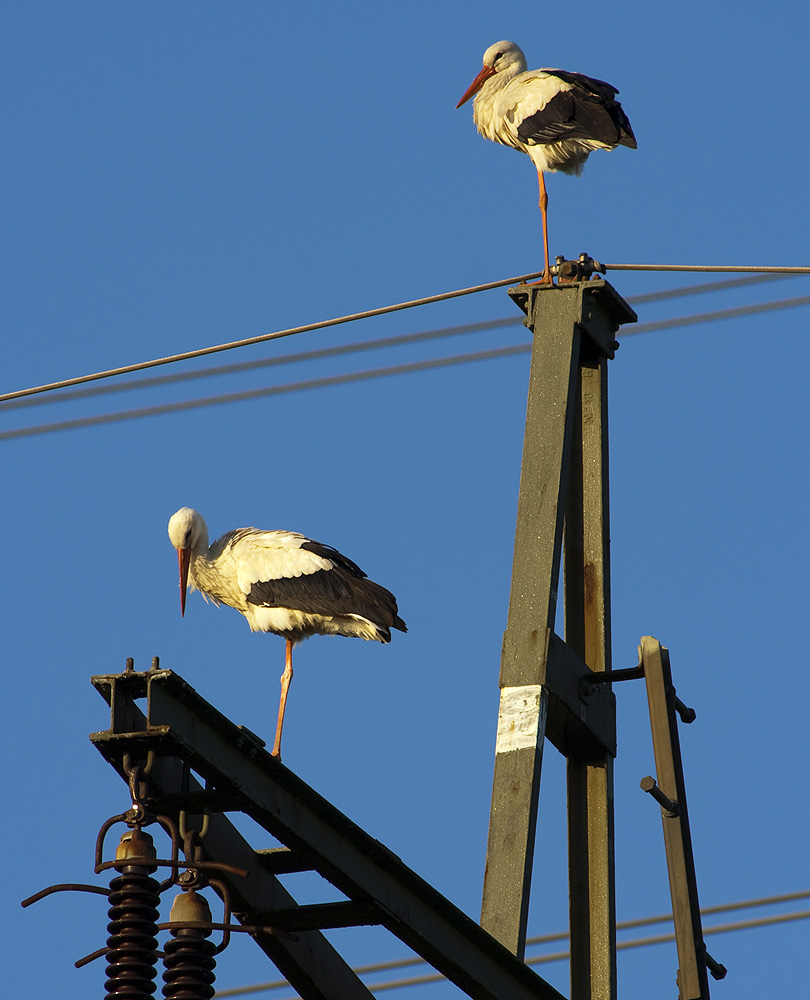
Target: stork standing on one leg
<point>558,118</point>
<point>282,582</point>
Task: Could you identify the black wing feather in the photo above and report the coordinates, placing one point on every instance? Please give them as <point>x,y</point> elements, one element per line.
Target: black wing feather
<point>342,590</point>
<point>588,111</point>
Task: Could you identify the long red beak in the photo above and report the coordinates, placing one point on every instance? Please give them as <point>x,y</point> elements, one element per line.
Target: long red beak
<point>476,85</point>
<point>183,557</point>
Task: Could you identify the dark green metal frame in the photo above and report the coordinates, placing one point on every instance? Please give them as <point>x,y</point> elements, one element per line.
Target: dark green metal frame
<point>562,507</point>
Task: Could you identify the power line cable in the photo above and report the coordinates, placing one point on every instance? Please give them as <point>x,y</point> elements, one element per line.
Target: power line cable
<point>563,936</point>
<point>283,359</point>
<point>561,956</point>
<point>706,286</point>
<point>344,379</point>
<point>719,314</point>
<point>711,268</point>
<point>274,390</point>
<point>67,395</point>
<point>367,314</point>
<point>265,337</point>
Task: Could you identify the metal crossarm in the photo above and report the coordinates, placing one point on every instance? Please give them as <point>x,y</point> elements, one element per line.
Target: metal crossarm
<point>184,731</point>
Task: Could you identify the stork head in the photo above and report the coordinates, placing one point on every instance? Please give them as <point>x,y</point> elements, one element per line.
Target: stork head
<point>502,57</point>
<point>188,533</point>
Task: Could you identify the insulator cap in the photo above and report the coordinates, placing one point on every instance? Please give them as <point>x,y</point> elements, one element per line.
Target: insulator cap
<point>190,907</point>
<point>135,844</point>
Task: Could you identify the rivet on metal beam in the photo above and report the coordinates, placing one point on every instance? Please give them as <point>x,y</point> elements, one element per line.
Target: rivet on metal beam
<point>670,808</point>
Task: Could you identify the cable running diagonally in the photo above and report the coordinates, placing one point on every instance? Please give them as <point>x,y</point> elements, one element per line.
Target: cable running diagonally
<point>335,380</point>
<point>563,936</point>
<point>367,314</point>
<point>67,395</point>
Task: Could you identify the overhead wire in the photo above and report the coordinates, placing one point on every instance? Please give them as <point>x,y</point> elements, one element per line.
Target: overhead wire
<point>561,956</point>
<point>265,337</point>
<point>711,268</point>
<point>375,373</point>
<point>402,963</point>
<point>729,284</point>
<point>282,359</point>
<point>273,390</point>
<point>367,314</point>
<point>68,394</point>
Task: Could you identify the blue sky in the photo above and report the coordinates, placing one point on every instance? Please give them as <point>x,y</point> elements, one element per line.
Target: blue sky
<point>186,174</point>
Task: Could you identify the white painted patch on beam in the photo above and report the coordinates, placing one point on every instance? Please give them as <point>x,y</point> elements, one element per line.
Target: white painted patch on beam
<point>519,717</point>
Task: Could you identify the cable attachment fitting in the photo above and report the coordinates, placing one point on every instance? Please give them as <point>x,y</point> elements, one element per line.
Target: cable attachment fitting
<point>568,272</point>
<point>138,781</point>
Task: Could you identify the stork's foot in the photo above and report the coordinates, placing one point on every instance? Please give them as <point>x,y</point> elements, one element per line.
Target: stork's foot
<point>545,279</point>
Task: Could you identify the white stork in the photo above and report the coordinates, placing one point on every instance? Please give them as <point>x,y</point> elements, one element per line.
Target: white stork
<point>558,118</point>
<point>282,582</point>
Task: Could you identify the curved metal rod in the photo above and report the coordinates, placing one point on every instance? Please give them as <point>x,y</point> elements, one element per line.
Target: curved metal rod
<point>80,963</point>
<point>146,820</point>
<point>64,887</point>
<point>200,925</point>
<point>102,833</point>
<point>174,863</point>
<point>225,895</point>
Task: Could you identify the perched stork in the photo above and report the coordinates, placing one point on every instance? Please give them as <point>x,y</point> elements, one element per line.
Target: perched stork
<point>282,582</point>
<point>556,117</point>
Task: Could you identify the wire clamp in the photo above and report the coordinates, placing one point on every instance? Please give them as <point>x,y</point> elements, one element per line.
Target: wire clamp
<point>570,271</point>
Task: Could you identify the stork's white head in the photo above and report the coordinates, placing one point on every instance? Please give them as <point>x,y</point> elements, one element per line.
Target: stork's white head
<point>188,533</point>
<point>502,55</point>
<point>188,530</point>
<point>501,58</point>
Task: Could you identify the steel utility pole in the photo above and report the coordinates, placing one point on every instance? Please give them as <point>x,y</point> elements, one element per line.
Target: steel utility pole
<point>563,498</point>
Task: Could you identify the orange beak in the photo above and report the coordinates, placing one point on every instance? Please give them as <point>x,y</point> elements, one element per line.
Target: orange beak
<point>476,85</point>
<point>183,557</point>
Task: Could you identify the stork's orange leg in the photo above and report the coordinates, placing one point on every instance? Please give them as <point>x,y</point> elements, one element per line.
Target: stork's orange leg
<point>543,203</point>
<point>286,679</point>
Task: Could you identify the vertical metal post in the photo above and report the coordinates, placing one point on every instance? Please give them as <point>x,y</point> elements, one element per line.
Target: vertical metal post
<point>693,981</point>
<point>563,496</point>
<point>592,893</point>
<point>563,491</point>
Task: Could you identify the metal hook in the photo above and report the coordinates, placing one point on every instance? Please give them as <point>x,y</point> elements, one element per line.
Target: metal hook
<point>203,829</point>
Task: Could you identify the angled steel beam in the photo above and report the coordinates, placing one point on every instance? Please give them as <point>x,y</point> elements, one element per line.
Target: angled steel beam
<point>524,701</point>
<point>563,497</point>
<point>180,724</point>
<point>306,959</point>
